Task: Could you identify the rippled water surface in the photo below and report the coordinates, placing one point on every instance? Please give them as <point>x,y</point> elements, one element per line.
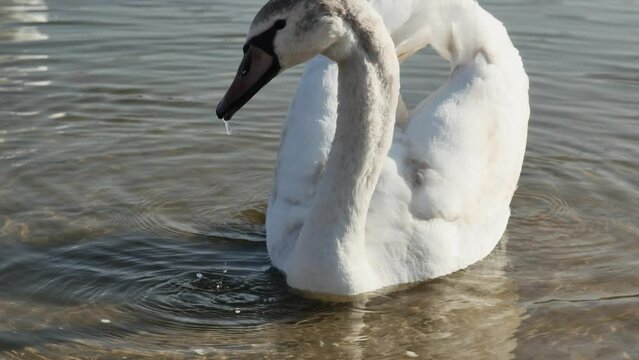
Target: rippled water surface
<point>131,225</point>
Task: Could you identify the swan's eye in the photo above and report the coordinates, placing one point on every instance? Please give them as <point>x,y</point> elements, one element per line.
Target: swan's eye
<point>246,66</point>
<point>280,24</point>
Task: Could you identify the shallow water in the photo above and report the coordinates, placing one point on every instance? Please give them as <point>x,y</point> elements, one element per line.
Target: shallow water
<point>130,223</point>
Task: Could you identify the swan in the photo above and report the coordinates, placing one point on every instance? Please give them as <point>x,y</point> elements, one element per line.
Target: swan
<point>366,197</point>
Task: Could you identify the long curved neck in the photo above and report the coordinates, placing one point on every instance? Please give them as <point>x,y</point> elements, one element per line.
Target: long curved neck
<point>367,100</point>
<point>363,136</point>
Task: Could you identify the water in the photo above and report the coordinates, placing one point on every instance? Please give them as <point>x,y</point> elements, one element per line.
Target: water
<point>227,127</point>
<point>118,188</point>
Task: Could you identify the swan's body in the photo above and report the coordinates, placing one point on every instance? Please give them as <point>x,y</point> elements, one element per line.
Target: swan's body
<point>356,207</point>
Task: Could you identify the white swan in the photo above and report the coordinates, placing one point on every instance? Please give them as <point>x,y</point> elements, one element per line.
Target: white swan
<point>374,207</point>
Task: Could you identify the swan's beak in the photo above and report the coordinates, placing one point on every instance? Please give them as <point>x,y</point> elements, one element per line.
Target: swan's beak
<point>257,68</point>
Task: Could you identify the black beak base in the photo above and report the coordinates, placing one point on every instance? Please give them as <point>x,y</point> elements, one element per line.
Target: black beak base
<point>257,69</point>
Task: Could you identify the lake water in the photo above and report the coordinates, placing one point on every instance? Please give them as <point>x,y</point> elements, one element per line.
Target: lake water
<point>131,224</point>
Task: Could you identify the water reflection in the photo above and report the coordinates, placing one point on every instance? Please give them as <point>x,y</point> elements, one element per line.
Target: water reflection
<point>21,15</point>
<point>17,68</point>
<point>137,296</point>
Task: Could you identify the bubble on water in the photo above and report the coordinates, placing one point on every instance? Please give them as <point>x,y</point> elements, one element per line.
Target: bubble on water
<point>411,354</point>
<point>105,321</point>
<point>228,127</point>
<point>199,275</point>
<point>199,351</point>
<point>237,310</point>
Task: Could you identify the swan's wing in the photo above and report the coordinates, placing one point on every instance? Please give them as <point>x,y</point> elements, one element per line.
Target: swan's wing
<point>444,193</point>
<point>306,141</point>
<point>404,19</point>
<point>465,143</point>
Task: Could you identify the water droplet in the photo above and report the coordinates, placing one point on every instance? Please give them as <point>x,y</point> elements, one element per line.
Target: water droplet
<point>237,310</point>
<point>228,127</point>
<point>57,115</point>
<point>224,271</point>
<point>199,275</point>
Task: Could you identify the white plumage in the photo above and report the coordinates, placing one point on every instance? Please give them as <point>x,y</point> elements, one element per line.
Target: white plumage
<point>442,200</point>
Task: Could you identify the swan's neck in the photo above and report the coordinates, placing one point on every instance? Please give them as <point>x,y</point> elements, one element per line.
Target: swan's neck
<point>367,100</point>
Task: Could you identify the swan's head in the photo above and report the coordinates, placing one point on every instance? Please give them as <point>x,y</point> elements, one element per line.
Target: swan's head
<point>284,33</point>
